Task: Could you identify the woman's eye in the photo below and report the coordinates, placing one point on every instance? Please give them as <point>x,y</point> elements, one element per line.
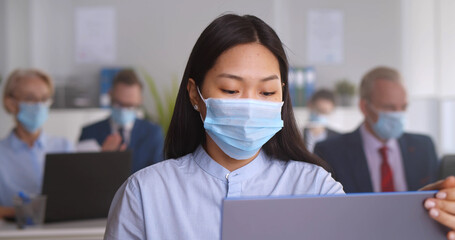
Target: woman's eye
<point>268,93</point>
<point>229,91</point>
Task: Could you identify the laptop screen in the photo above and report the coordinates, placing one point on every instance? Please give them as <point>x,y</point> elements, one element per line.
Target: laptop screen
<point>82,185</point>
<point>353,216</point>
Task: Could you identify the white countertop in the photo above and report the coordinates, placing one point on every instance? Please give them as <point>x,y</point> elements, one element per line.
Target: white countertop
<point>84,229</point>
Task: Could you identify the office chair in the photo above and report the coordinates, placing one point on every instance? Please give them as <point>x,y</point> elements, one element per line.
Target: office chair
<point>447,166</point>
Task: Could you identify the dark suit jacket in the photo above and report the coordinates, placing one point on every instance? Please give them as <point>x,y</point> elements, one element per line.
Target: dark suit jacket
<point>146,141</point>
<point>346,156</point>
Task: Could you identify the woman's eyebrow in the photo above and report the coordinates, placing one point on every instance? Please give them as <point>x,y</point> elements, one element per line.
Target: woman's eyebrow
<point>231,76</point>
<point>235,77</point>
<point>271,77</point>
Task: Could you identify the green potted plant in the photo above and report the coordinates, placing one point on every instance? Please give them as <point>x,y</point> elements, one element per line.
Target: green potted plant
<point>165,103</point>
<point>345,91</point>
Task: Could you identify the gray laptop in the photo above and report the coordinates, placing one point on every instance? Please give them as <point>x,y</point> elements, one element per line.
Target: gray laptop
<point>82,185</point>
<point>354,216</point>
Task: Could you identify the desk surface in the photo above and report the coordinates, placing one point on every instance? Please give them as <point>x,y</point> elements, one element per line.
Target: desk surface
<point>86,229</point>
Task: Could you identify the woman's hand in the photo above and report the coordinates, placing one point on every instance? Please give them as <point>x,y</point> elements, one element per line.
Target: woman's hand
<point>442,206</point>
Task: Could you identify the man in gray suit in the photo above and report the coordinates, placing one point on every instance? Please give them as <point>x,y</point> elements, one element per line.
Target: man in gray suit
<point>378,156</point>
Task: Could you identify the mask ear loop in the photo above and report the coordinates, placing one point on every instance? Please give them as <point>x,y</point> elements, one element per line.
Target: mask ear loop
<point>372,108</point>
<point>205,101</point>
<point>200,95</point>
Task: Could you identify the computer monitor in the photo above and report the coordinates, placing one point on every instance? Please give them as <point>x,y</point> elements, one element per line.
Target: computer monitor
<point>82,185</point>
<point>375,216</point>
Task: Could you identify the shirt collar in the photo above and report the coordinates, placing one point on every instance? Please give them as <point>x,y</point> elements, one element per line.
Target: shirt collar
<point>18,144</point>
<point>370,141</point>
<point>115,126</point>
<point>216,170</point>
<point>318,138</point>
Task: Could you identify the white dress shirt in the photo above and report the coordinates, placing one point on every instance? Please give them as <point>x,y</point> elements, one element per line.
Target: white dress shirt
<point>126,130</point>
<point>311,139</point>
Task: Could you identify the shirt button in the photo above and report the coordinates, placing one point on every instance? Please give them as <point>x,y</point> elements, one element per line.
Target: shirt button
<point>227,176</point>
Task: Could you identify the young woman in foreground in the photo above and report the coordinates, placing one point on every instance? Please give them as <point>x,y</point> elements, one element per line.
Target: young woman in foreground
<point>233,133</point>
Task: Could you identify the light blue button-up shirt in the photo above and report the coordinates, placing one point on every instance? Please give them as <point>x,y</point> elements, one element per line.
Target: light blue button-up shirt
<point>21,166</point>
<point>181,198</point>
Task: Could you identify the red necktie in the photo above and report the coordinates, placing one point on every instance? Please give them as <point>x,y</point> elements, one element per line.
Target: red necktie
<point>386,172</point>
<point>122,134</point>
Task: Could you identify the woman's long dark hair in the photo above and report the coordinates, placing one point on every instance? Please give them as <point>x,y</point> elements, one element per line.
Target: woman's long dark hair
<point>186,131</point>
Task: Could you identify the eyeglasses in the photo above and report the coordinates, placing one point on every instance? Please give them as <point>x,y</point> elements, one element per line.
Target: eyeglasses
<point>385,109</point>
<point>47,102</point>
<point>125,106</point>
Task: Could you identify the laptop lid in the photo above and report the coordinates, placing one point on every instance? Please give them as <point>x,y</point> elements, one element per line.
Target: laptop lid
<point>353,216</point>
<point>82,185</point>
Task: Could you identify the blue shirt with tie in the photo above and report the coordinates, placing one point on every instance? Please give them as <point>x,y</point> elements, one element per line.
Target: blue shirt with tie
<point>21,166</point>
<point>182,198</point>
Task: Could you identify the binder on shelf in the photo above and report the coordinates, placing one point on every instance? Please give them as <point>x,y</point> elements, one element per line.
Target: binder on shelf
<point>106,77</point>
<point>291,86</point>
<point>302,85</point>
<point>310,83</point>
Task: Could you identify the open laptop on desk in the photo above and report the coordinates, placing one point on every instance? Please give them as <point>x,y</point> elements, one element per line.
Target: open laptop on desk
<point>376,216</point>
<point>82,185</point>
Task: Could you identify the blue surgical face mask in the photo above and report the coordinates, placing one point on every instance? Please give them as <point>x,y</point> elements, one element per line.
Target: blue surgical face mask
<point>390,125</point>
<point>240,127</point>
<point>123,116</point>
<point>32,115</point>
<point>318,119</point>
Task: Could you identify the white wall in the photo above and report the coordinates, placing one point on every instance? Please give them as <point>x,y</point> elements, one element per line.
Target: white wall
<point>159,35</point>
<point>2,39</point>
<point>372,36</point>
<point>150,34</point>
<point>428,60</point>
<point>3,117</point>
<point>447,74</point>
<point>14,46</point>
<point>446,47</point>
<point>419,47</point>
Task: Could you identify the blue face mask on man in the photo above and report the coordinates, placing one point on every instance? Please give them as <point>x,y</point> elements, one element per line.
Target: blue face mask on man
<point>32,115</point>
<point>240,127</point>
<point>318,119</point>
<point>390,125</point>
<point>123,116</point>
